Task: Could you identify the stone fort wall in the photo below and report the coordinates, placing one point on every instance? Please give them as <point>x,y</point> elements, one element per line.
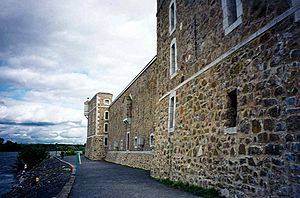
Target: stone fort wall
<point>259,61</point>
<point>237,108</point>
<point>132,121</point>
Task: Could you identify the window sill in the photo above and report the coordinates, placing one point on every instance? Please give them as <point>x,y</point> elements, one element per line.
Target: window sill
<point>231,27</point>
<point>171,131</point>
<point>230,130</point>
<point>172,31</point>
<point>173,75</point>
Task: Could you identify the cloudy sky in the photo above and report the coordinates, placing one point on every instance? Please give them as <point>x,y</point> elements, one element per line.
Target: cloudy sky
<point>54,54</point>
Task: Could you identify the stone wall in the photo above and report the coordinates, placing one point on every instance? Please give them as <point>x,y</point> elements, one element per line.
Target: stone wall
<point>237,110</point>
<point>135,159</point>
<point>136,104</point>
<point>95,149</point>
<point>260,156</point>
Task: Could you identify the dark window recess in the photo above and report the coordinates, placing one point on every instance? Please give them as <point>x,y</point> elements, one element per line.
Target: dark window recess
<point>105,141</point>
<point>182,79</point>
<point>172,16</point>
<point>128,138</point>
<point>106,115</point>
<point>172,107</point>
<point>232,13</point>
<point>232,108</point>
<point>105,127</point>
<point>173,57</point>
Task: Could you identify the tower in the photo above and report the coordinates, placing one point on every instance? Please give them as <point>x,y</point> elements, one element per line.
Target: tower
<point>96,111</point>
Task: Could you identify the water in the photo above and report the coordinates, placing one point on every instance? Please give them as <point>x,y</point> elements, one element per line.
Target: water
<point>7,175</point>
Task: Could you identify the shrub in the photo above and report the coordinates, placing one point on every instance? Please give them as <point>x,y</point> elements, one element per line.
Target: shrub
<point>31,155</point>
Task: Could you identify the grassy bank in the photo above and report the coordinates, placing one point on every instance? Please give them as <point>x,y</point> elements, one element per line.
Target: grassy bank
<point>196,190</point>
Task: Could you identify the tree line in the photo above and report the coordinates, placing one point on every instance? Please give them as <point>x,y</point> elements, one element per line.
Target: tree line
<point>10,146</point>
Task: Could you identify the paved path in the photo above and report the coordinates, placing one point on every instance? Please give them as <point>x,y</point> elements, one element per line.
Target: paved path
<point>108,180</point>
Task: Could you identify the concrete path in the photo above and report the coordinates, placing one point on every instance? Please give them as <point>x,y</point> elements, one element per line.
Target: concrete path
<point>108,180</point>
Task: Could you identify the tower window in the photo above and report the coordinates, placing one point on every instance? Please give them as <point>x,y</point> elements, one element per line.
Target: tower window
<point>106,127</point>
<point>232,108</point>
<point>173,58</point>
<point>107,102</point>
<point>232,14</point>
<point>106,115</point>
<point>172,16</point>
<point>172,110</point>
<point>105,141</point>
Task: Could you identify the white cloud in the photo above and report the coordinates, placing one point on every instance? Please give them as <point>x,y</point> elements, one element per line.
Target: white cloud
<point>54,54</point>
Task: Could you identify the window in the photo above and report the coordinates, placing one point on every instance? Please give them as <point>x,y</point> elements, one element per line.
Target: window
<point>172,16</point>
<point>106,115</point>
<point>105,141</point>
<point>297,13</point>
<point>151,141</point>
<point>106,127</point>
<point>135,142</point>
<point>172,110</point>
<point>173,58</point>
<point>127,141</point>
<point>232,108</point>
<point>107,102</point>
<point>232,14</point>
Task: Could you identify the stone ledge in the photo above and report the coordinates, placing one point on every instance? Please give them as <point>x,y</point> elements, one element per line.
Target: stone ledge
<point>66,190</point>
<point>132,152</point>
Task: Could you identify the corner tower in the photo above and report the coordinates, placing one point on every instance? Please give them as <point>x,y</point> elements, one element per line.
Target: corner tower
<point>96,111</point>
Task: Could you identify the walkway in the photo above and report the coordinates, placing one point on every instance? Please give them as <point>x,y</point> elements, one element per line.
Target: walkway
<point>108,180</point>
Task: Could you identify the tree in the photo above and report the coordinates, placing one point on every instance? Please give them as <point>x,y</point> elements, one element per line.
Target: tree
<point>31,155</point>
<point>1,140</point>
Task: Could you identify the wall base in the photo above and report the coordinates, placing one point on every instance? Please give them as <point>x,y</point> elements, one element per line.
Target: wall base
<point>135,159</point>
<point>94,148</point>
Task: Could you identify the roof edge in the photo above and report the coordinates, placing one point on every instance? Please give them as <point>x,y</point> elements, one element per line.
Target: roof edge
<point>135,78</point>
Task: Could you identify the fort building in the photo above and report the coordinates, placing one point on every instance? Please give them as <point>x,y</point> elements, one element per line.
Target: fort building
<point>96,111</point>
<point>218,106</point>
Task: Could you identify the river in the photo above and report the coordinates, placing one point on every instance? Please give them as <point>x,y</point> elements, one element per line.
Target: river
<point>7,175</point>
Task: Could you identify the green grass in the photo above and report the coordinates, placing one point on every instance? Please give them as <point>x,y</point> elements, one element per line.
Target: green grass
<point>196,190</point>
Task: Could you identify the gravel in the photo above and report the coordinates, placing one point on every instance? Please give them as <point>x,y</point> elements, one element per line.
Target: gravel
<point>52,174</point>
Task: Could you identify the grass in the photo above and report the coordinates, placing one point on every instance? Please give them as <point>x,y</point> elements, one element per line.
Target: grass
<point>196,190</point>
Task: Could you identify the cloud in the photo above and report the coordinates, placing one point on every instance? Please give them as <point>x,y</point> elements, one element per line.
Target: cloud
<point>53,55</point>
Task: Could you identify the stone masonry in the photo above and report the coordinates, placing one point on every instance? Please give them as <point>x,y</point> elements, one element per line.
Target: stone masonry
<point>132,121</point>
<point>96,134</point>
<point>220,102</point>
